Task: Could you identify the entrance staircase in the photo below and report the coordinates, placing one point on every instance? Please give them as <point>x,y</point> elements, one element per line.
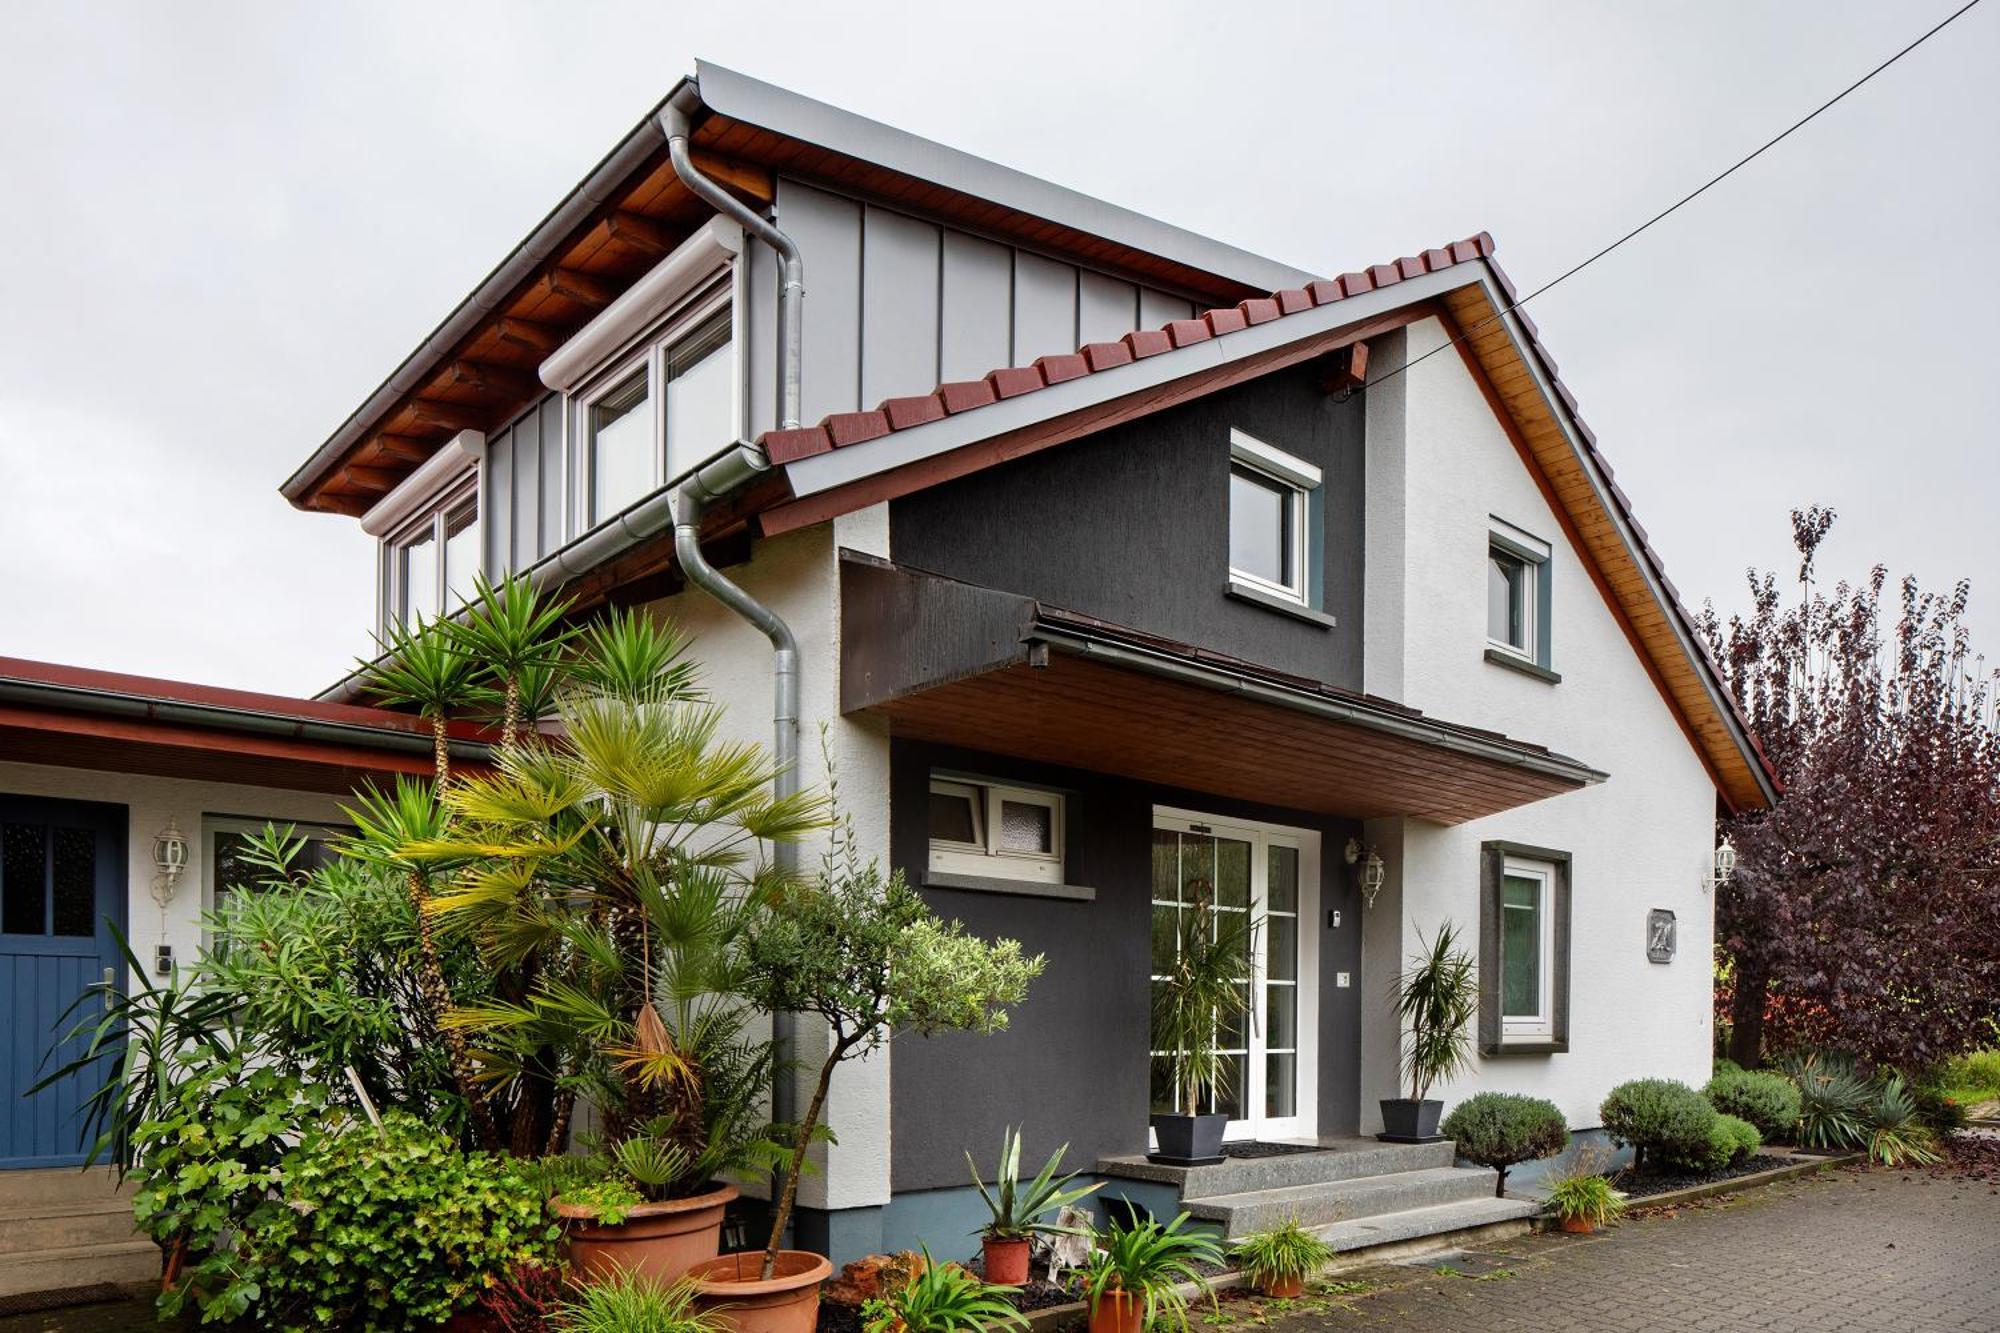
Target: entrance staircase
<point>1357,1194</point>
<point>67,1236</point>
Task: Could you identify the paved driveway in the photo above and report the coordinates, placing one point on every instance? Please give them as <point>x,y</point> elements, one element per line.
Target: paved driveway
<point>1847,1250</point>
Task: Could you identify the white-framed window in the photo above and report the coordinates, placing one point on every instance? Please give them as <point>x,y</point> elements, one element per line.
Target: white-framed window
<point>430,564</point>
<point>1527,949</point>
<point>1270,518</point>
<point>980,828</point>
<point>660,411</point>
<point>1517,593</point>
<point>231,871</point>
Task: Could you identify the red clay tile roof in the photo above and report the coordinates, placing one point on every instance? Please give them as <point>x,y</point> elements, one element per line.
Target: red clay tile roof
<point>894,414</point>
<point>846,428</point>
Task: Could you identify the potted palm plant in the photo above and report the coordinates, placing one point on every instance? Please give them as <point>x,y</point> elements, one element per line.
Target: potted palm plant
<point>1437,997</point>
<point>1017,1211</point>
<point>1134,1278</point>
<point>612,870</point>
<point>868,957</point>
<point>1206,984</point>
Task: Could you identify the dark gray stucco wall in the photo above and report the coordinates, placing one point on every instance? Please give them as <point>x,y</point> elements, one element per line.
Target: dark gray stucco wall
<point>1072,1066</point>
<point>1132,525</point>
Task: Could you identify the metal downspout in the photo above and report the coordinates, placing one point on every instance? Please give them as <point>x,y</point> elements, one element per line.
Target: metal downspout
<point>718,479</point>
<point>791,268</point>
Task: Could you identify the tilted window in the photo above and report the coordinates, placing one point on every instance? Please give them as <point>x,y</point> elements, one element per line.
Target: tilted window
<point>1517,595</point>
<point>1271,496</point>
<point>1001,832</point>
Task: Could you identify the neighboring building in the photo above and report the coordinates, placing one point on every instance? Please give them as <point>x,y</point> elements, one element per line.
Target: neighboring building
<point>1119,560</point>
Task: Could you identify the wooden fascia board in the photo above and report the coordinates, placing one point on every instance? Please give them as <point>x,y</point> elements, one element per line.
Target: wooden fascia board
<point>1596,527</point>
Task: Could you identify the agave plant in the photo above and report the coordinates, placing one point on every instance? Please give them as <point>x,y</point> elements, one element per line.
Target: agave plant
<point>1898,1135</point>
<point>1017,1211</point>
<point>1835,1102</point>
<point>942,1298</point>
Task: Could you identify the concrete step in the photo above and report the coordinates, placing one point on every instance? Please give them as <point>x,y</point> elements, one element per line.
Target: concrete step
<point>1328,1202</point>
<point>1417,1224</point>
<point>115,1263</point>
<point>1338,1159</point>
<point>51,1226</point>
<point>63,1184</point>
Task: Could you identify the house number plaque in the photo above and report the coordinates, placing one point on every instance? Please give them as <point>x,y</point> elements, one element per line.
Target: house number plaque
<point>1661,936</point>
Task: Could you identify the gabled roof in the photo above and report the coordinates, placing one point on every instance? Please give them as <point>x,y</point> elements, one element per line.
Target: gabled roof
<point>853,459</point>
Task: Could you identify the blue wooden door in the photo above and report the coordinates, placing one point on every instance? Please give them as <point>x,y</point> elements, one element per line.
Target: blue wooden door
<point>62,887</point>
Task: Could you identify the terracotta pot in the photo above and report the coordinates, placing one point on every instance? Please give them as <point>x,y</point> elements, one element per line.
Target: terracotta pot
<point>1578,1226</point>
<point>1283,1288</point>
<point>661,1240</point>
<point>1006,1260</point>
<point>1115,1312</point>
<point>788,1302</point>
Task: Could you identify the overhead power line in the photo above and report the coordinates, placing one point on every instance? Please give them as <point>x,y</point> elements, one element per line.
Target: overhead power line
<point>1694,194</point>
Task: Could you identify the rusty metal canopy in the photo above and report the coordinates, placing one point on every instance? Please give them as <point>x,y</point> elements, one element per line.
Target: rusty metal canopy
<point>958,664</point>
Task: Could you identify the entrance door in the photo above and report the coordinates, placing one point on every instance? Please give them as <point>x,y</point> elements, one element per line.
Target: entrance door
<point>1270,874</point>
<point>62,886</point>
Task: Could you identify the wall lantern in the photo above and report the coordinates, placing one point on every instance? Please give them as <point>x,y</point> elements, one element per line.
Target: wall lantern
<point>1725,866</point>
<point>1372,874</point>
<point>170,858</point>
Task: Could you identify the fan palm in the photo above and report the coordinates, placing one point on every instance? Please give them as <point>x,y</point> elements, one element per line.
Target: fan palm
<point>620,863</point>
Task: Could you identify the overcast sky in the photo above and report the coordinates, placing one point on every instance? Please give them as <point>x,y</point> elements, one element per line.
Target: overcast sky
<point>225,224</point>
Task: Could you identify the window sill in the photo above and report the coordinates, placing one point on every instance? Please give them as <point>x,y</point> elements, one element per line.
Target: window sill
<point>1019,888</point>
<point>1534,1046</point>
<point>1521,664</point>
<point>1270,601</point>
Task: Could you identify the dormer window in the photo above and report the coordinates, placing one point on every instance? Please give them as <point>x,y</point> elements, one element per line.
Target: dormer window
<point>428,528</point>
<point>664,410</point>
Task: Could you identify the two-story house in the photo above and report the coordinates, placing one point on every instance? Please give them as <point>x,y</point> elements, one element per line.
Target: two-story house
<point>1120,567</point>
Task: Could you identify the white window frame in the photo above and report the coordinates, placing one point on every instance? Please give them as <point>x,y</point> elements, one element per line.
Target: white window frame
<point>1533,555</point>
<point>986,857</point>
<point>1540,1026</point>
<point>433,524</point>
<point>649,351</point>
<point>1299,479</point>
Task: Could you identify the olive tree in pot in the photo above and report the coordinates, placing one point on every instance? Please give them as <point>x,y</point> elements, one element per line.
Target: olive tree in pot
<point>1437,997</point>
<point>868,957</point>
<point>1205,984</point>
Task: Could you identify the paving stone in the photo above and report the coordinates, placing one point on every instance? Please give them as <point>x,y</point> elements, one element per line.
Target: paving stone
<point>1851,1251</point>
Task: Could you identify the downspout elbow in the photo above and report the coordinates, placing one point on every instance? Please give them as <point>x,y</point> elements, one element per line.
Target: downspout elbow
<point>675,122</point>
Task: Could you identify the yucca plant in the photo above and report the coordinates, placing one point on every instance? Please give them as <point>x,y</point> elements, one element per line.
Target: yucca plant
<point>1146,1263</point>
<point>1204,987</point>
<point>941,1298</point>
<point>516,637</point>
<point>1898,1135</point>
<point>1437,997</point>
<point>1281,1259</point>
<point>1835,1102</point>
<point>1017,1210</point>
<point>422,666</point>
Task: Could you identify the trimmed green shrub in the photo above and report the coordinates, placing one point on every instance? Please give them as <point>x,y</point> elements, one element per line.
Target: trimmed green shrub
<point>1498,1129</point>
<point>1767,1100</point>
<point>1731,1140</point>
<point>1664,1120</point>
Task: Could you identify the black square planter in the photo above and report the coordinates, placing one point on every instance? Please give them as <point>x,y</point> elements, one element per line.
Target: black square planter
<point>1406,1121</point>
<point>1188,1140</point>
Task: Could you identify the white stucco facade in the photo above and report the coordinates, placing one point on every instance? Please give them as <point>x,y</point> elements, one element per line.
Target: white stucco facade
<point>1440,468</point>
<point>150,802</point>
<point>797,576</point>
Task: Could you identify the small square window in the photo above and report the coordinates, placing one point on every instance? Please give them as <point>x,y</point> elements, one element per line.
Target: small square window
<point>1270,499</point>
<point>998,832</point>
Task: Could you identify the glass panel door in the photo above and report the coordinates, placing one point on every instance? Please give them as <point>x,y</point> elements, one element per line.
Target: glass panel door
<point>1237,876</point>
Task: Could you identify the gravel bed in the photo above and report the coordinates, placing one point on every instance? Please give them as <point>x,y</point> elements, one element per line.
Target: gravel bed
<point>1637,1188</point>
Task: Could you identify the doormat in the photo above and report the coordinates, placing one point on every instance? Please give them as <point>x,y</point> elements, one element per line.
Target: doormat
<point>1254,1149</point>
